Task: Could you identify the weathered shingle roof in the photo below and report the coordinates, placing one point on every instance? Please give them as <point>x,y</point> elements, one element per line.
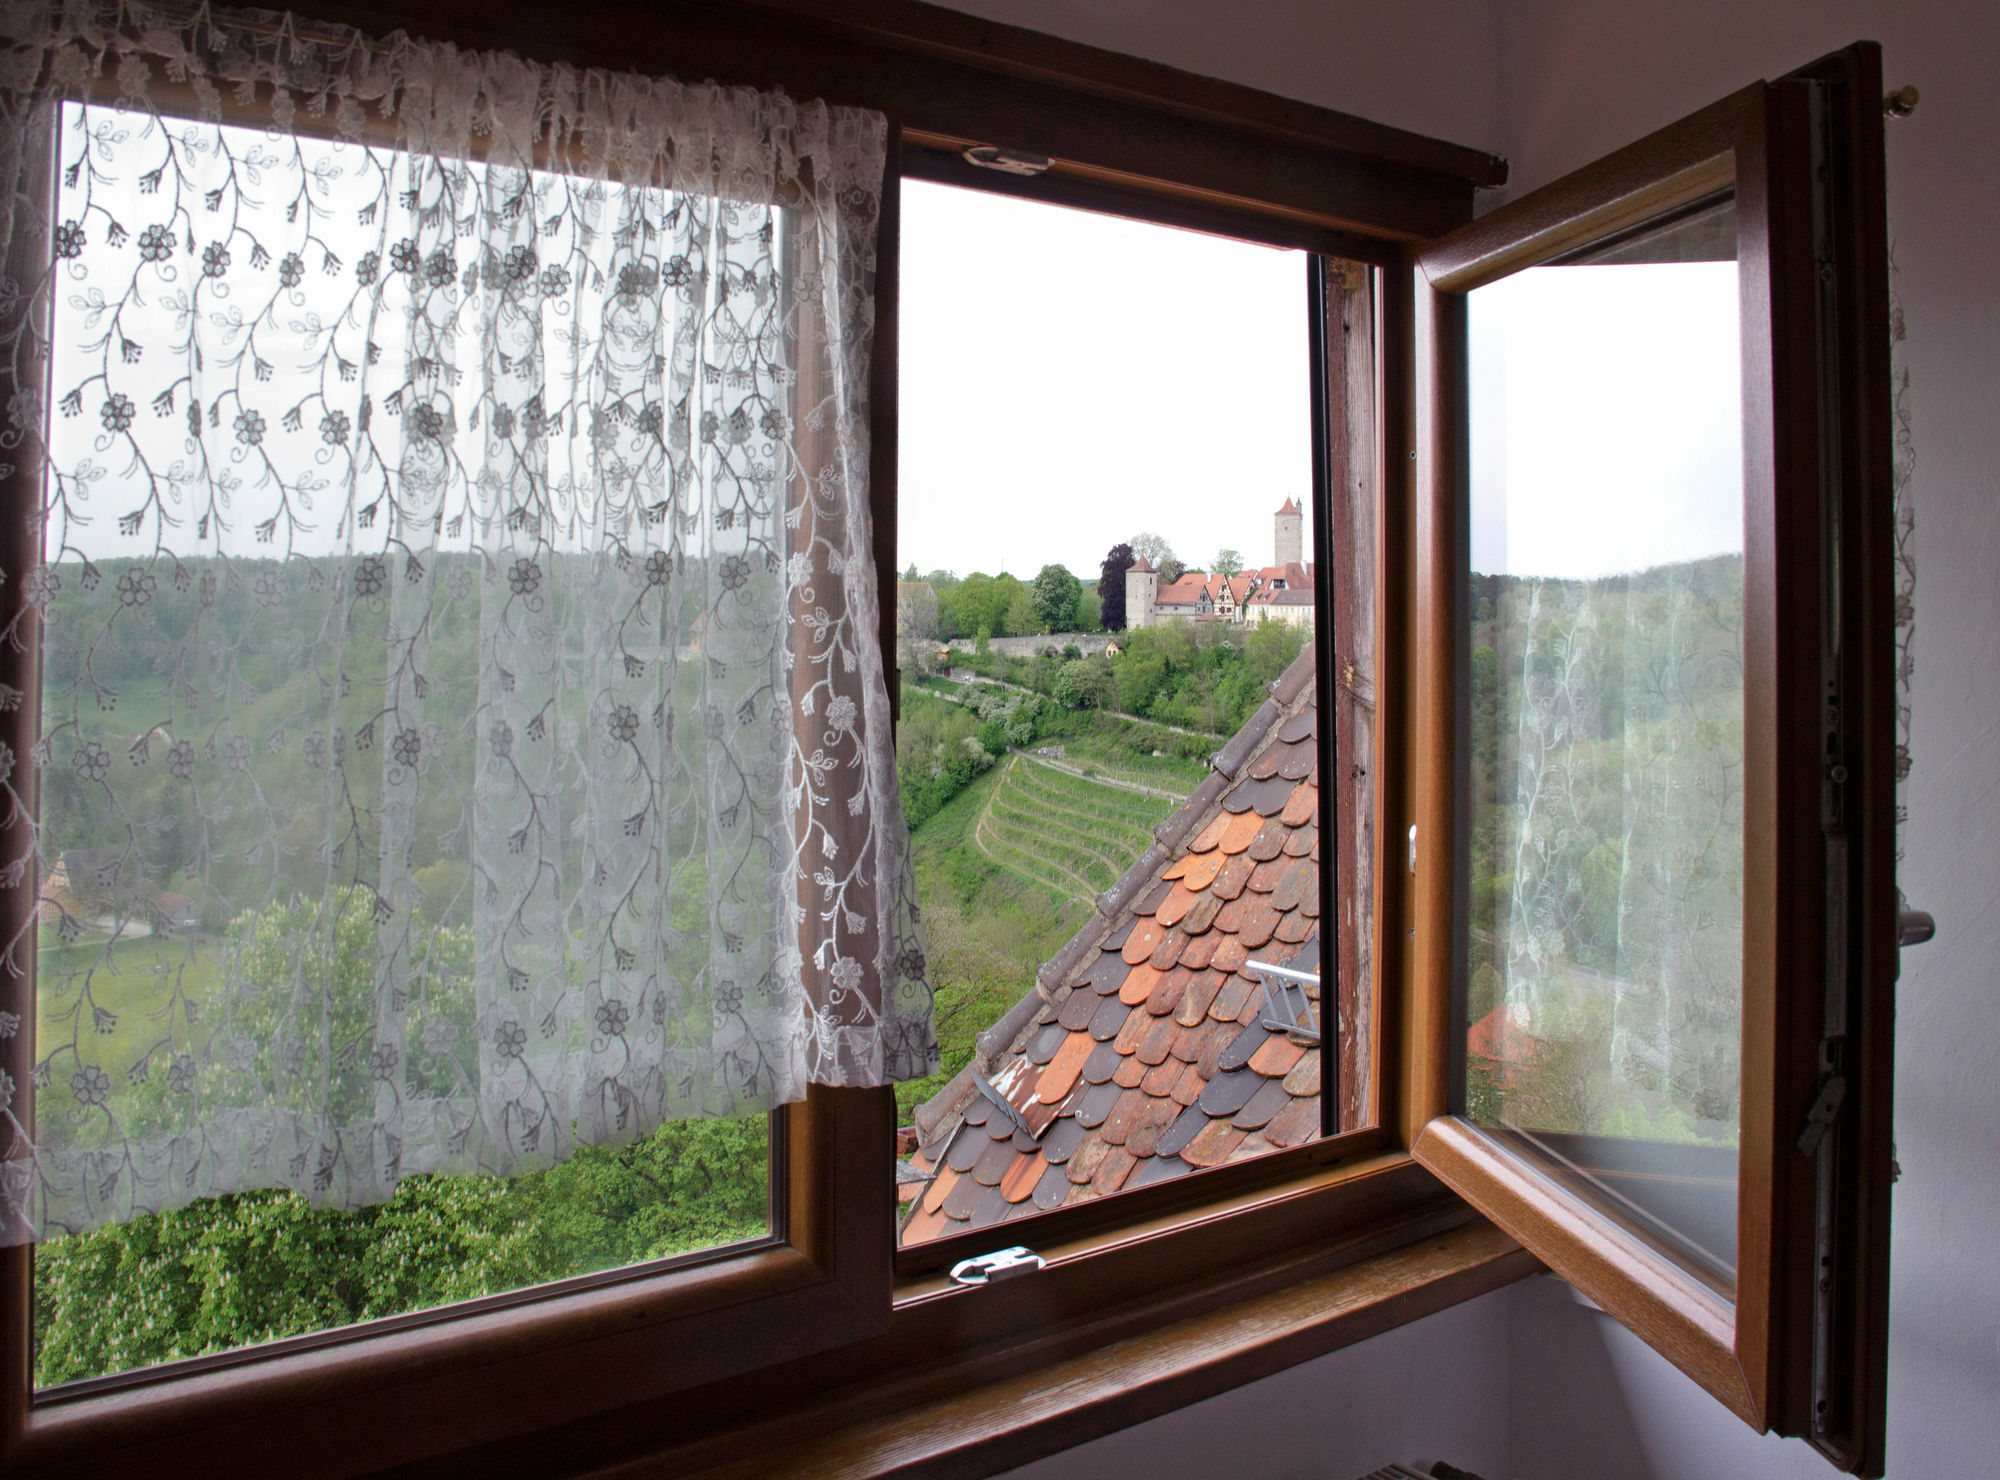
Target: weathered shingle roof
<point>1147,1048</point>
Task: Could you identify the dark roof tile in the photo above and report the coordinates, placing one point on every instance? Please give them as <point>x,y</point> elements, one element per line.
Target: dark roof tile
<point>977,1109</point>
<point>1303,842</point>
<point>1130,1072</point>
<point>1052,1189</point>
<point>966,1146</point>
<point>1078,1008</point>
<point>1167,953</point>
<point>1303,1081</point>
<point>1227,1093</point>
<point>1042,1047</point>
<point>1243,1046</point>
<point>1154,898</point>
<point>1115,939</point>
<point>1101,1064</point>
<point>1096,1104</point>
<point>1185,1127</point>
<point>963,1196</point>
<point>1300,726</point>
<point>1062,1139</point>
<point>993,1162</point>
<point>1267,1102</point>
<point>1105,974</point>
<point>1108,1019</point>
<point>1156,1169</point>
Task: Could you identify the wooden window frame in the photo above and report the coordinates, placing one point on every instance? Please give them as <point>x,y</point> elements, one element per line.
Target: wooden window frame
<point>574,1373</point>
<point>1756,1353</point>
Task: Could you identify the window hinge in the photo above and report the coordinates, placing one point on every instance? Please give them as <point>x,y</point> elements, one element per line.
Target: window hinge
<point>1001,1264</point>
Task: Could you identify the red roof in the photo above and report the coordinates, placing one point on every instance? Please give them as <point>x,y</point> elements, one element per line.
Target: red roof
<point>1148,1050</point>
<point>1289,508</point>
<point>1503,1038</point>
<point>1139,563</point>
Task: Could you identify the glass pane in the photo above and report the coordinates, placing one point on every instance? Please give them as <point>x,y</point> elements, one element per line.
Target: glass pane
<point>192,957</point>
<point>1604,986</point>
<point>1106,465</point>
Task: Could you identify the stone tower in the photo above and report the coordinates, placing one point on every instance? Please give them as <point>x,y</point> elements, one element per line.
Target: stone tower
<point>1141,581</point>
<point>1288,542</point>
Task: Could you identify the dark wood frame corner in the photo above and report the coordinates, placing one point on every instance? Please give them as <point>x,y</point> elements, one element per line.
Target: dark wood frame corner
<point>1755,1353</point>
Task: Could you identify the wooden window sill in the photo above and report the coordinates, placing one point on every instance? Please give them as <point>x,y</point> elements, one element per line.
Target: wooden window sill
<point>896,1426</point>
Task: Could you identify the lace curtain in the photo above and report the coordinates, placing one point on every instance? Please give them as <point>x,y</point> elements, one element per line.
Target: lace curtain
<point>462,728</point>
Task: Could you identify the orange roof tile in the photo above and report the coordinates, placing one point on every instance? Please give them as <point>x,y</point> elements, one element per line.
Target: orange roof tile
<point>1146,1052</point>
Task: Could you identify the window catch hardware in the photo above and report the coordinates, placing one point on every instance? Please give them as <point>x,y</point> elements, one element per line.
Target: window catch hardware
<point>1820,1120</point>
<point>1914,927</point>
<point>1001,1264</point>
<point>1007,161</point>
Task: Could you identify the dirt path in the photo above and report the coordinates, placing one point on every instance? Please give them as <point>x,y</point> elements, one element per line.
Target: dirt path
<point>1176,797</point>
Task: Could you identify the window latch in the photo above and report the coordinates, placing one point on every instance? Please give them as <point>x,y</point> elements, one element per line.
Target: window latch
<point>1001,1264</point>
<point>1007,161</point>
<point>1820,1119</point>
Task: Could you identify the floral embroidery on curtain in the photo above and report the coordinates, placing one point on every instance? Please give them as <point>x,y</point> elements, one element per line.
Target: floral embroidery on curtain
<point>463,732</point>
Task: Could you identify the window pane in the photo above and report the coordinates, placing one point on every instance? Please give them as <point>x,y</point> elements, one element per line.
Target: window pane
<point>1104,517</point>
<point>269,602</point>
<point>1604,989</point>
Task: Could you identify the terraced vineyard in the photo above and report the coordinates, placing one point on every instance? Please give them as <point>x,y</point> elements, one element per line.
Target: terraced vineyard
<point>1064,832</point>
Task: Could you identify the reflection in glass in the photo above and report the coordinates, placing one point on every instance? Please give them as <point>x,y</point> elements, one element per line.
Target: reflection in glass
<point>1604,987</point>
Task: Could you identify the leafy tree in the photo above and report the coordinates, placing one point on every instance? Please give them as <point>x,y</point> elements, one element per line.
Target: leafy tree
<point>1111,587</point>
<point>1055,593</point>
<point>1228,563</point>
<point>1023,615</point>
<point>1085,683</point>
<point>1089,615</point>
<point>1160,555</point>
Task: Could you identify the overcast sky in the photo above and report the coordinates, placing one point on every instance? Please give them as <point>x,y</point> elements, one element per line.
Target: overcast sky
<point>1069,379</point>
<point>1607,418</point>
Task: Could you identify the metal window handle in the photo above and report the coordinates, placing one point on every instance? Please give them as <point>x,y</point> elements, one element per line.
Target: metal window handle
<point>1914,927</point>
<point>1002,1264</point>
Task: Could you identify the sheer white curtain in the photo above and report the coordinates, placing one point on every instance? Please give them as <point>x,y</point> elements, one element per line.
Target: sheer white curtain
<point>462,727</point>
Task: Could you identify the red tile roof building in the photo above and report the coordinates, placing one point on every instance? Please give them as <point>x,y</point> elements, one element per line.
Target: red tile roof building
<point>1150,1046</point>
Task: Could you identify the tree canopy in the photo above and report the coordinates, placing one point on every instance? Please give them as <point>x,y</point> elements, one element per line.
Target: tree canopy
<point>1111,587</point>
<point>1160,555</point>
<point>1056,592</point>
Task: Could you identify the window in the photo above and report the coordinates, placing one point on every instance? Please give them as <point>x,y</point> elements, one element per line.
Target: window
<point>1659,474</point>
<point>1125,933</point>
<point>570,1376</point>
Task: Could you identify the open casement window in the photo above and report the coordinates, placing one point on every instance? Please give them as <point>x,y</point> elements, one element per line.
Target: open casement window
<point>1654,847</point>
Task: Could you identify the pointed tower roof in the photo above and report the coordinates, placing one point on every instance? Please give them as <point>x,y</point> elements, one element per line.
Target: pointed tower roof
<point>1289,508</point>
<point>1139,563</point>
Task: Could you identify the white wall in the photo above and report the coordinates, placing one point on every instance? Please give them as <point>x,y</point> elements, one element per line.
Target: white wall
<point>1553,84</point>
